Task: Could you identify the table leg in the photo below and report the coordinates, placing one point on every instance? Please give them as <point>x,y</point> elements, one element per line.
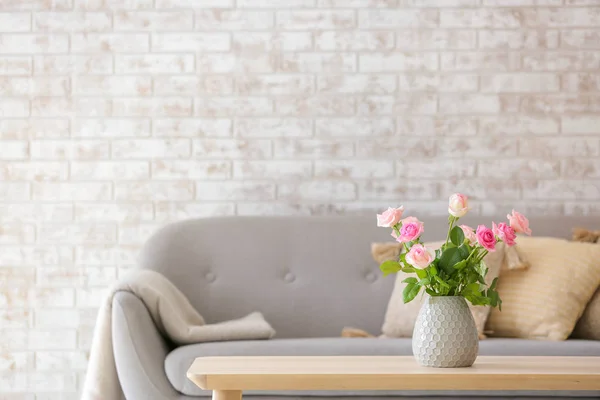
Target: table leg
<point>227,395</point>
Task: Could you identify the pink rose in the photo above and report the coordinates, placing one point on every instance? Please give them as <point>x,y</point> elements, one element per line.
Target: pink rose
<point>469,234</point>
<point>504,233</point>
<point>411,229</point>
<point>519,223</point>
<point>486,238</point>
<point>419,256</point>
<point>390,217</point>
<point>458,205</point>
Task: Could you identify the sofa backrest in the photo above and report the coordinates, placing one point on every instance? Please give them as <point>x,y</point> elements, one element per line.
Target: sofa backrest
<point>309,276</point>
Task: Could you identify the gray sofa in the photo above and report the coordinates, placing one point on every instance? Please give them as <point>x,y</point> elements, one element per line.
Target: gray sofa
<point>310,277</point>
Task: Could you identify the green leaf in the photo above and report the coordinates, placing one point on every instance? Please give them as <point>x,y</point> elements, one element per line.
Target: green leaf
<point>470,276</point>
<point>481,279</point>
<point>464,251</point>
<point>460,265</point>
<point>441,282</point>
<point>477,300</point>
<point>493,295</point>
<point>481,269</point>
<point>472,292</point>
<point>410,292</point>
<point>390,267</point>
<point>433,270</point>
<point>402,258</point>
<point>430,292</point>
<point>425,281</point>
<point>457,236</point>
<point>449,258</point>
<point>494,283</point>
<point>408,270</point>
<point>410,280</point>
<point>473,287</point>
<point>421,273</point>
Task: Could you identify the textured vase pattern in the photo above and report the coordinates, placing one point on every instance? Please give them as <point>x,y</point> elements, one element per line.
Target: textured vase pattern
<point>445,335</point>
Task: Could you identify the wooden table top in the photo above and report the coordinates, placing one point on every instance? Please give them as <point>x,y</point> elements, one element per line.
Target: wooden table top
<point>393,373</point>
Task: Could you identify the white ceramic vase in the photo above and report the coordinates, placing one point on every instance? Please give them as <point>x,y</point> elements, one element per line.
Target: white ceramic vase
<point>445,335</point>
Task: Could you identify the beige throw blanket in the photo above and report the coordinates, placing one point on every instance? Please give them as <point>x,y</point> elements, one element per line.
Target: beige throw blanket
<point>174,317</point>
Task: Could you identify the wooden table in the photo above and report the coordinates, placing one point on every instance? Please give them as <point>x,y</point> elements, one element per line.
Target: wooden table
<point>227,377</point>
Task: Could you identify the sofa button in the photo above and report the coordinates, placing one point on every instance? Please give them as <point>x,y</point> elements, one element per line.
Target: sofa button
<point>210,277</point>
<point>371,277</point>
<point>289,277</point>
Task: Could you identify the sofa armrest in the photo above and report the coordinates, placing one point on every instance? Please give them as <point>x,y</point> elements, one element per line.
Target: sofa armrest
<point>140,351</point>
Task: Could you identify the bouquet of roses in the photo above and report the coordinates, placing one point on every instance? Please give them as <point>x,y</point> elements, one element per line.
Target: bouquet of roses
<point>457,268</point>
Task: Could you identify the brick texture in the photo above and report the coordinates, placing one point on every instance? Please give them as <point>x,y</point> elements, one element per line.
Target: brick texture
<point>119,116</point>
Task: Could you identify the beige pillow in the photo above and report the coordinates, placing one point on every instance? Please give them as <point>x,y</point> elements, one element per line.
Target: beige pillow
<point>588,326</point>
<point>545,301</point>
<point>400,318</point>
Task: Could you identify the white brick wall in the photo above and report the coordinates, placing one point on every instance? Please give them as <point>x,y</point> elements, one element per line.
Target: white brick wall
<point>118,116</point>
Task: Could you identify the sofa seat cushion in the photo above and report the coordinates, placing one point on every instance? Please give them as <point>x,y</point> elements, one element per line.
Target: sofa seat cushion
<point>180,359</point>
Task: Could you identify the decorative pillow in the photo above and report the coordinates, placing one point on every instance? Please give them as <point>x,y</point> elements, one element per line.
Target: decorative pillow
<point>588,326</point>
<point>545,301</point>
<point>400,318</point>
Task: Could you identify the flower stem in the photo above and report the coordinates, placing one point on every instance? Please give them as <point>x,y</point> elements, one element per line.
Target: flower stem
<point>471,255</point>
<point>451,221</point>
<point>482,256</point>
